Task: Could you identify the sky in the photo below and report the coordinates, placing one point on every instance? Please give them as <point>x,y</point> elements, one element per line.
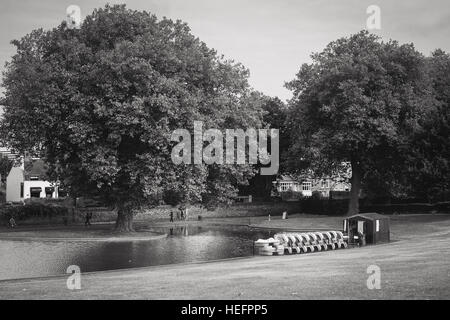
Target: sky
<point>272,38</point>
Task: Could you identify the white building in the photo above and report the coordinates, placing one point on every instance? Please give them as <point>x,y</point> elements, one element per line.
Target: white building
<point>327,185</point>
<point>25,184</point>
<point>307,186</point>
<point>286,183</point>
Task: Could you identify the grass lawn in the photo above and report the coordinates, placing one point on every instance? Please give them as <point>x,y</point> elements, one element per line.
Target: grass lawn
<point>415,265</point>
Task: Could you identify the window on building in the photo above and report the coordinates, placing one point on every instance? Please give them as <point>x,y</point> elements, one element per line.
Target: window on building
<point>49,192</point>
<point>306,186</point>
<point>284,186</point>
<point>35,192</point>
<point>325,183</point>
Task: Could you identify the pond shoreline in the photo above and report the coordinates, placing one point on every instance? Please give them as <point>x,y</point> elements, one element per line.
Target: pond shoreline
<point>318,275</point>
<point>103,231</point>
<point>81,239</point>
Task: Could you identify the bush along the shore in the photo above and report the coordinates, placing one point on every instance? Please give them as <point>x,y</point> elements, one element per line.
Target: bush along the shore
<point>35,211</point>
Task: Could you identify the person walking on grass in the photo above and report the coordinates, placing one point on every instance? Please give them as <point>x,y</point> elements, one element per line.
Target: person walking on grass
<point>171,216</point>
<point>87,222</point>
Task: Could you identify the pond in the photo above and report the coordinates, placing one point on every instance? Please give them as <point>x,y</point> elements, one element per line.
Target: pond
<point>26,259</point>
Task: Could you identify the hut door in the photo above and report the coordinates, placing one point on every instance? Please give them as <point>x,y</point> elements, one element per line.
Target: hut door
<point>361,226</point>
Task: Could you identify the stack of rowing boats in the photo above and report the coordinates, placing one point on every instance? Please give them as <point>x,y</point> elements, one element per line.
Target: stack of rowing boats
<point>269,247</point>
<point>289,243</point>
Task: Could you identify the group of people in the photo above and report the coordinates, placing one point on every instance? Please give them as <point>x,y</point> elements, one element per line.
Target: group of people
<point>182,214</point>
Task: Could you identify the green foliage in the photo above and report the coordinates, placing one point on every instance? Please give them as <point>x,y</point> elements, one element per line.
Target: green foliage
<point>291,195</point>
<point>172,197</point>
<point>275,116</point>
<point>361,100</point>
<point>428,160</point>
<point>100,104</point>
<point>32,210</point>
<point>5,167</point>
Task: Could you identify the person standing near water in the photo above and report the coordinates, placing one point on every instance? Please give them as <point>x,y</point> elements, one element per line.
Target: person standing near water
<point>171,216</point>
<point>181,213</point>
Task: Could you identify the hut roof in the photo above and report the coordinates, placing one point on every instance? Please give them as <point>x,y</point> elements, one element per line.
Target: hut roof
<point>370,216</point>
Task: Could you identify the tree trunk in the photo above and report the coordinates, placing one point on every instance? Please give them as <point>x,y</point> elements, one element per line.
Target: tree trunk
<point>124,222</point>
<point>353,206</point>
<point>74,208</point>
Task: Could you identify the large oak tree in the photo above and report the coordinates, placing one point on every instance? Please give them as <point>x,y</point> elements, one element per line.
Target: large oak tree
<point>99,104</point>
<point>360,101</point>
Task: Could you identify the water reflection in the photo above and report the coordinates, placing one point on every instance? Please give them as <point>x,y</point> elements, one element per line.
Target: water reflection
<point>23,259</point>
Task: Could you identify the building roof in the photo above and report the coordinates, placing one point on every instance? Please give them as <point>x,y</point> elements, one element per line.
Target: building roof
<point>35,168</point>
<point>286,178</point>
<point>369,216</point>
<point>16,171</point>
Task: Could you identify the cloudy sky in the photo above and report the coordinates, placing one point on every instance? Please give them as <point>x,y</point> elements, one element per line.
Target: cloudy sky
<point>270,37</point>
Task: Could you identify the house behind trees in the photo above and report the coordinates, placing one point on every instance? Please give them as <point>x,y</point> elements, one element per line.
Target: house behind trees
<point>291,188</point>
<point>29,182</point>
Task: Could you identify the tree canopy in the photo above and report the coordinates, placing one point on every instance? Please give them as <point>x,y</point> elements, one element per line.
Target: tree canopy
<point>5,167</point>
<point>428,171</point>
<point>99,103</point>
<point>360,101</point>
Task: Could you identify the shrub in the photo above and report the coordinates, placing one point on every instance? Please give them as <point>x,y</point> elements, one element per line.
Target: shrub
<point>172,198</point>
<point>291,195</point>
<point>36,210</point>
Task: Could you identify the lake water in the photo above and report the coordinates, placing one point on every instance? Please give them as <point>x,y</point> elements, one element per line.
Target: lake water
<point>26,259</point>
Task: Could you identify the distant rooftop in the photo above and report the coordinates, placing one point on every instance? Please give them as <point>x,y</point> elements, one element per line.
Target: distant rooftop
<point>369,215</point>
<point>286,177</point>
<point>35,168</point>
<point>7,152</point>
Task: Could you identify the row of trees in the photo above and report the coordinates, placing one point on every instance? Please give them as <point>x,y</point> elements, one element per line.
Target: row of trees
<point>99,104</point>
